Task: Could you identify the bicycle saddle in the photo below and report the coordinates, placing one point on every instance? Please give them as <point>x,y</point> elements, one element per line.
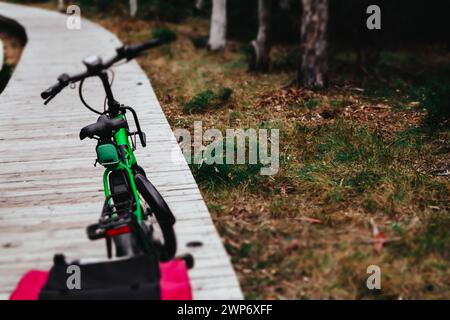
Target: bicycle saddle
<point>103,128</point>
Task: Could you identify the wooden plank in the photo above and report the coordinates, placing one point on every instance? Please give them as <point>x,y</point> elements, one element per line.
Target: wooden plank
<point>49,189</point>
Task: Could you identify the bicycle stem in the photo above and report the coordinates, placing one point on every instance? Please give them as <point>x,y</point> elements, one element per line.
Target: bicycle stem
<point>113,105</point>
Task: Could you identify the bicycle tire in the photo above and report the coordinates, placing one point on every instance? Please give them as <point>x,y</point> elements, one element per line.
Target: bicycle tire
<point>125,245</point>
<point>162,213</point>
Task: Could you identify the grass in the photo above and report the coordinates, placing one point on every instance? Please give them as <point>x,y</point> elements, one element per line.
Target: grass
<point>208,98</point>
<point>199,101</point>
<point>363,150</point>
<point>343,171</point>
<point>223,175</point>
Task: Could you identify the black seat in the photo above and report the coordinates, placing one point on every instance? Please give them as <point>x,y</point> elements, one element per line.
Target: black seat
<point>103,128</point>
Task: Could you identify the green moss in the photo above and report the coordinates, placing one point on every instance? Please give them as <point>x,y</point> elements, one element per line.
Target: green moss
<point>208,98</point>
<point>224,94</point>
<point>199,101</point>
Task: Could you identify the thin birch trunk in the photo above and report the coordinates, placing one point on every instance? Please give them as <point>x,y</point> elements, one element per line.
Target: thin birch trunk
<point>313,58</point>
<point>218,29</point>
<point>261,45</point>
<point>133,8</point>
<point>61,6</point>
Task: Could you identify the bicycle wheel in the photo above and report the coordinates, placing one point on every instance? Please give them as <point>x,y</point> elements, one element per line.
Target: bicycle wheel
<point>164,217</point>
<point>125,244</point>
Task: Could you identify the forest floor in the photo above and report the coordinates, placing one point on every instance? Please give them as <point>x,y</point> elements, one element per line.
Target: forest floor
<point>364,164</point>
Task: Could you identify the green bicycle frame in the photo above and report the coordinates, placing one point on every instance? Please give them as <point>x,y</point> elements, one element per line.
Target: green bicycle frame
<point>122,140</point>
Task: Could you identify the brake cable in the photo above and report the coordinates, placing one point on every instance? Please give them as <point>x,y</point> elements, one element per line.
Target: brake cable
<point>80,92</point>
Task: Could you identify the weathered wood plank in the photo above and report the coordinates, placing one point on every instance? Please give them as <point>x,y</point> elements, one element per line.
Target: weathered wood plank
<point>49,189</point>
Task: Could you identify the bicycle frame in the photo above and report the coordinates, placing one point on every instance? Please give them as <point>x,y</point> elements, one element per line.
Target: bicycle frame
<point>121,138</point>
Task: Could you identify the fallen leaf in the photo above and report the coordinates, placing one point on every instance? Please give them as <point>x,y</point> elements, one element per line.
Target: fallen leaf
<point>233,244</point>
<point>308,219</point>
<point>379,240</point>
<point>378,237</point>
<point>283,190</point>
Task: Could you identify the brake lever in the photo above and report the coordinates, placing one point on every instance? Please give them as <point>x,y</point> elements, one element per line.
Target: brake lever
<point>143,139</point>
<point>141,134</point>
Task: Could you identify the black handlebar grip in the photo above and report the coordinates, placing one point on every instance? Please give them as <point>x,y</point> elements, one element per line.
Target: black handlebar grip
<point>55,89</point>
<point>51,91</point>
<point>146,45</point>
<point>47,93</point>
<point>133,51</point>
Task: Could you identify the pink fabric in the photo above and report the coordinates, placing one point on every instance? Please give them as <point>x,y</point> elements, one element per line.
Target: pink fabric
<point>30,285</point>
<point>174,284</point>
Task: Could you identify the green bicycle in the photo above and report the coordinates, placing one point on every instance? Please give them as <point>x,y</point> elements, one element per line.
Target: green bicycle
<point>132,203</point>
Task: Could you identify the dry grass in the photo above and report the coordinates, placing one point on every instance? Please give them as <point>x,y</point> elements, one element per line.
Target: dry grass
<point>382,174</point>
<point>349,156</point>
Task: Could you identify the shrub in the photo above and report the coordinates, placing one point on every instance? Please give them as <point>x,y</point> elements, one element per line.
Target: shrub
<point>199,101</point>
<point>224,94</point>
<point>164,34</point>
<point>208,98</point>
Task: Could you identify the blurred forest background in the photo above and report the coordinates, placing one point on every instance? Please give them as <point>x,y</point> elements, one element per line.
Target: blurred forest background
<point>364,134</point>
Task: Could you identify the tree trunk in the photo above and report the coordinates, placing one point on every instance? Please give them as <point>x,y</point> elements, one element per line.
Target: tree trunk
<point>133,8</point>
<point>261,45</point>
<point>61,6</point>
<point>218,29</point>
<point>313,58</point>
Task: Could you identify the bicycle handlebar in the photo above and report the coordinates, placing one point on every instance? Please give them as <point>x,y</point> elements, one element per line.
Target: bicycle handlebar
<point>132,51</point>
<point>51,91</point>
<point>63,81</point>
<point>127,52</point>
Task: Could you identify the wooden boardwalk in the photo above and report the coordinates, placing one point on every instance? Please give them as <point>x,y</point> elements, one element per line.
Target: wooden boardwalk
<point>49,188</point>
